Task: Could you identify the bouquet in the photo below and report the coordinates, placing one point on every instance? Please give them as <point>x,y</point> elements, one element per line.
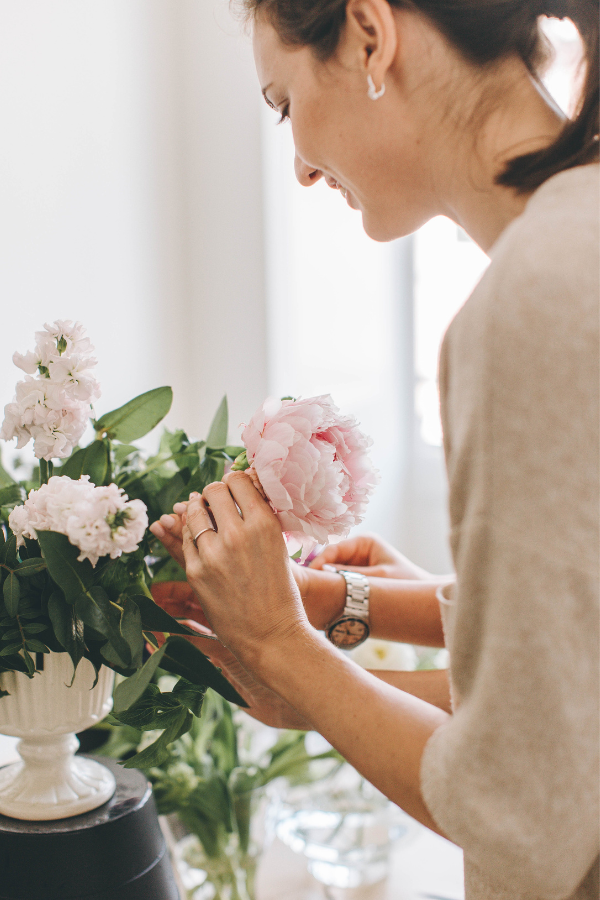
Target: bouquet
<point>76,558</point>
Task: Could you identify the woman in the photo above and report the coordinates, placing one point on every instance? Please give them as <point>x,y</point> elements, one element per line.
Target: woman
<point>415,108</point>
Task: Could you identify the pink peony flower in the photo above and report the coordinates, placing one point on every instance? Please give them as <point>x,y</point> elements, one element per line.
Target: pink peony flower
<point>312,465</point>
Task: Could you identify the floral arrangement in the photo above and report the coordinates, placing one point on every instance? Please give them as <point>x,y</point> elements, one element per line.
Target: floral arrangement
<point>212,783</point>
<point>76,559</point>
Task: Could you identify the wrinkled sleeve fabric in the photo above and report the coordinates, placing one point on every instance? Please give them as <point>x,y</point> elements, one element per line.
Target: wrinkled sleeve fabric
<point>512,777</point>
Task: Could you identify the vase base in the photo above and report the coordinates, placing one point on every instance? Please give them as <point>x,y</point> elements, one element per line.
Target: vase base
<point>26,794</point>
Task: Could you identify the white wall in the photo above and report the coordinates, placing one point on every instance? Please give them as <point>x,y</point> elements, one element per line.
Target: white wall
<point>130,196</point>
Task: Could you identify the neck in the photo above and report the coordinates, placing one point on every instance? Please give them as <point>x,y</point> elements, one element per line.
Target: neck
<point>523,119</point>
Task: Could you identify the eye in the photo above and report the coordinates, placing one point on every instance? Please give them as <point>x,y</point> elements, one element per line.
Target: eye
<point>285,114</point>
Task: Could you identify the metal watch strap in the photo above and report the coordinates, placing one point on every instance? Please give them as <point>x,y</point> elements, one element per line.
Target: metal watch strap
<point>357,594</point>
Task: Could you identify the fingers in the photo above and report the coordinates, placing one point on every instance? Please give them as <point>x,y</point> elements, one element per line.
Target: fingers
<point>221,502</point>
<point>349,551</point>
<point>168,530</point>
<point>245,494</point>
<point>197,518</point>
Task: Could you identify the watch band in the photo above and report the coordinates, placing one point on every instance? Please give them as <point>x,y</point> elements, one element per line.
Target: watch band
<point>358,590</point>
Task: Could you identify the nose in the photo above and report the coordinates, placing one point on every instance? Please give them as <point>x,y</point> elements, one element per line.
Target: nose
<point>306,175</point>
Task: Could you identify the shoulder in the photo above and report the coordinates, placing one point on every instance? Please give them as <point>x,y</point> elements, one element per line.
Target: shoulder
<point>519,372</point>
<point>542,286</point>
<point>548,258</point>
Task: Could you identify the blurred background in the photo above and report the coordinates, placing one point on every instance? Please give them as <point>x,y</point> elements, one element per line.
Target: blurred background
<point>145,191</point>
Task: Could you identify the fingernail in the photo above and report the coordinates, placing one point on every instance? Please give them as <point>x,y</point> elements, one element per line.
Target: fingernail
<point>327,567</point>
<point>194,495</point>
<point>157,530</point>
<point>179,507</point>
<point>167,521</point>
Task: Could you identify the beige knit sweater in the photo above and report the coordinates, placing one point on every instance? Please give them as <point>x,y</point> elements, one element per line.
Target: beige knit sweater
<point>513,776</point>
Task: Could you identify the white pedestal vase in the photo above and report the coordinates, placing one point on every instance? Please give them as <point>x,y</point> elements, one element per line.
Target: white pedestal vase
<point>51,782</point>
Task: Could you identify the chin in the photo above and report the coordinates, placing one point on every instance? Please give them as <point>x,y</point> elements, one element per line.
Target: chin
<point>384,231</point>
<point>389,225</point>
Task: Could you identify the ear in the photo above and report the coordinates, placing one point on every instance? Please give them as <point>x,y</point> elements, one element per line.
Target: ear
<point>370,37</point>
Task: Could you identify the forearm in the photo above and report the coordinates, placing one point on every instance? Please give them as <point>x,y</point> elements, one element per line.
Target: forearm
<point>399,609</point>
<point>431,685</point>
<point>380,730</point>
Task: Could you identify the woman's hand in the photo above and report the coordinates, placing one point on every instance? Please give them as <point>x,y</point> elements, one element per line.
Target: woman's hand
<point>263,704</point>
<point>322,593</point>
<point>240,572</point>
<point>370,555</point>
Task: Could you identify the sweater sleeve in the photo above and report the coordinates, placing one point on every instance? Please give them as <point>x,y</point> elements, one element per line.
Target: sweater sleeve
<point>512,777</point>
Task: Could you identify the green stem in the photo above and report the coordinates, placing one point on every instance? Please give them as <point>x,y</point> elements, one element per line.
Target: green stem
<point>46,470</point>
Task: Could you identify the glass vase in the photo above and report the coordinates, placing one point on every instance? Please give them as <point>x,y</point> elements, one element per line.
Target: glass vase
<point>230,872</point>
<point>345,828</point>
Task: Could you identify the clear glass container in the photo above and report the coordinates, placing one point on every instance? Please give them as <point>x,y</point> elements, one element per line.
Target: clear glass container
<point>344,826</point>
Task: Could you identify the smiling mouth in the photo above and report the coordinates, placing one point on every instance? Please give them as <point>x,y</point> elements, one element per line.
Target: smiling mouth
<point>337,186</point>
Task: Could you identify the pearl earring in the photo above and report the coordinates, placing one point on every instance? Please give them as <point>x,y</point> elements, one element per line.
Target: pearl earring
<point>373,93</point>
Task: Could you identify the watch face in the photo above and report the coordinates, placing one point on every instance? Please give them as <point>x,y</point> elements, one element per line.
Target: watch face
<point>348,632</point>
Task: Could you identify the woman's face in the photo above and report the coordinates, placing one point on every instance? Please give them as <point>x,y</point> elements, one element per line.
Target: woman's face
<point>369,150</point>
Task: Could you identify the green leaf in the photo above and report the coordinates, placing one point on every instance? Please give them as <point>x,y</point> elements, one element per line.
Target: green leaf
<point>73,577</point>
<point>131,630</point>
<point>36,646</point>
<point>157,753</point>
<point>5,479</point>
<point>182,658</point>
<point>4,693</point>
<point>34,628</point>
<point>153,711</point>
<point>12,594</point>
<point>170,492</point>
<point>223,746</point>
<point>136,418</point>
<point>167,570</point>
<point>154,618</point>
<point>212,799</point>
<point>11,635</point>
<point>190,695</point>
<point>297,554</point>
<point>29,663</point>
<point>31,566</point>
<point>233,452</point>
<point>93,461</point>
<point>12,495</point>
<point>217,435</point>
<point>8,551</point>
<point>123,452</point>
<point>68,627</point>
<point>130,690</point>
<point>73,466</point>
<point>6,651</point>
<point>94,609</point>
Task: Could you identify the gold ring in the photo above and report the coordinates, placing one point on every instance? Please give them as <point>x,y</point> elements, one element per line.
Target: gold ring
<point>210,528</point>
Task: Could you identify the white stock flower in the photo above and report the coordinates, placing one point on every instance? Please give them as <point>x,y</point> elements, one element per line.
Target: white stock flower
<point>99,521</point>
<point>53,406</point>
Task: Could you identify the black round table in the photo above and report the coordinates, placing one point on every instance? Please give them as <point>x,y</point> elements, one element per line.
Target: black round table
<point>115,852</point>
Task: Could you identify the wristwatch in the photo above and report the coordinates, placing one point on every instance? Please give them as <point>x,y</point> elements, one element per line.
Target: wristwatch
<point>352,627</point>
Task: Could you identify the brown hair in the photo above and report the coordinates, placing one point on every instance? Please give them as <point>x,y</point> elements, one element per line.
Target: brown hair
<point>484,31</point>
